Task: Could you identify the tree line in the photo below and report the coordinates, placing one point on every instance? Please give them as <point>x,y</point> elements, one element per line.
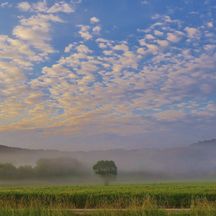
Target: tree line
<point>61,167</point>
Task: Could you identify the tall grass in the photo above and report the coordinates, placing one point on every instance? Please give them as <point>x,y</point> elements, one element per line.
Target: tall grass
<point>148,208</point>
<point>33,212</point>
<point>203,208</point>
<point>114,196</point>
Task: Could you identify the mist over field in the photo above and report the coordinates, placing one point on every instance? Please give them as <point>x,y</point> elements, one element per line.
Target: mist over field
<point>196,161</point>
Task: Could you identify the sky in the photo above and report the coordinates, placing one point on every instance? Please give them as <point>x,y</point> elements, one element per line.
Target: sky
<point>97,74</point>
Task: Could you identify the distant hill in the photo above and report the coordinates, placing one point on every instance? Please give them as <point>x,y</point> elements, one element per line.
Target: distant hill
<point>22,156</point>
<point>4,148</point>
<point>205,144</point>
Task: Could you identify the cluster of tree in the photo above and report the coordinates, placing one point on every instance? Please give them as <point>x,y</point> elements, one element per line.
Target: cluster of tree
<point>61,167</point>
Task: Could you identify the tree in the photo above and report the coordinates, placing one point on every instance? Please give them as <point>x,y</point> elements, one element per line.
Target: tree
<point>59,167</point>
<point>25,171</point>
<point>7,170</point>
<point>106,169</point>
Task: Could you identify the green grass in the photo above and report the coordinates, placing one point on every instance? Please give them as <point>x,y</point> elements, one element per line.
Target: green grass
<point>140,200</point>
<point>33,212</point>
<point>165,195</point>
<point>48,212</point>
<point>200,210</point>
<point>148,208</point>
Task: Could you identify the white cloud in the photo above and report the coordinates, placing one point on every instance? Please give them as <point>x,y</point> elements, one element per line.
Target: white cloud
<point>170,115</point>
<point>121,47</point>
<point>21,105</point>
<point>36,31</point>
<point>84,32</point>
<point>5,5</point>
<point>172,37</point>
<point>142,42</point>
<point>120,83</point>
<point>152,47</point>
<point>96,30</point>
<point>192,32</point>
<point>158,33</point>
<point>141,51</point>
<point>68,48</point>
<point>94,20</point>
<point>83,49</point>
<point>61,7</point>
<point>210,24</point>
<point>149,37</point>
<point>24,6</point>
<point>42,6</point>
<point>163,43</point>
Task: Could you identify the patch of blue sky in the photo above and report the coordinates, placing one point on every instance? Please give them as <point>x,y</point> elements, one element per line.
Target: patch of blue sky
<point>8,18</point>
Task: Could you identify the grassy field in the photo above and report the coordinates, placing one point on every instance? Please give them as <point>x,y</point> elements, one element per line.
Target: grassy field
<point>146,199</point>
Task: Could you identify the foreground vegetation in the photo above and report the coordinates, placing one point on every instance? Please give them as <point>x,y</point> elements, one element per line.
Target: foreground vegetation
<point>149,208</point>
<point>166,195</point>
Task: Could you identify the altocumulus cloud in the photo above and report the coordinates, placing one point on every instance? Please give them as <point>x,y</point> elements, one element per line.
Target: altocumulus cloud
<point>165,73</point>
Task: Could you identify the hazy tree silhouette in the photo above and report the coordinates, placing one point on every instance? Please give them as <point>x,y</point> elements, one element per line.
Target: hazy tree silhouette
<point>107,170</point>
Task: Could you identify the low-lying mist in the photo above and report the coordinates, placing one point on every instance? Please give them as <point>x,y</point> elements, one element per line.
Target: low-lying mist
<point>194,162</point>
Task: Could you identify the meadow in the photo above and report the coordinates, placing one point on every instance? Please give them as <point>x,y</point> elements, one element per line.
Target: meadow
<point>147,199</point>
